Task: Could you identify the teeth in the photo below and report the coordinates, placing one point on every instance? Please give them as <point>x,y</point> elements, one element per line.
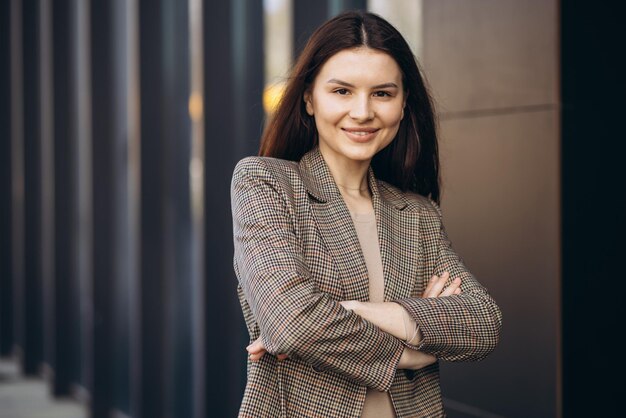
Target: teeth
<point>359,133</point>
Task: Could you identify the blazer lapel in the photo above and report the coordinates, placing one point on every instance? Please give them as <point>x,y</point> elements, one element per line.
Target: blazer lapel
<point>398,237</point>
<point>335,225</point>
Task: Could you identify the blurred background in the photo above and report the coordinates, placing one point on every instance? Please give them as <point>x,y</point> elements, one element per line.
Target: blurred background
<point>121,122</point>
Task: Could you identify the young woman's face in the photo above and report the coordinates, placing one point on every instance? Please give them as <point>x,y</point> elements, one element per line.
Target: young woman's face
<point>357,100</point>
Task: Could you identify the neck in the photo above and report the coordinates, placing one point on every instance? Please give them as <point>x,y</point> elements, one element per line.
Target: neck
<point>349,175</point>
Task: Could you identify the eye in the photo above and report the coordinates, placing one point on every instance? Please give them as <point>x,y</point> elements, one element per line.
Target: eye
<point>382,93</point>
<point>341,92</point>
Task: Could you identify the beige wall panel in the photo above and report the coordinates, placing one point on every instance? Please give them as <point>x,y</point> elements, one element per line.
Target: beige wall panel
<point>501,210</point>
<point>486,54</point>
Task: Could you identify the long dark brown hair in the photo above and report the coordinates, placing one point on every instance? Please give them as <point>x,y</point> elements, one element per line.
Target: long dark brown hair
<point>411,160</point>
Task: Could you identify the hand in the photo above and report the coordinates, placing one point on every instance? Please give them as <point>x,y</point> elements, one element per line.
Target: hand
<point>415,360</point>
<point>436,283</point>
<point>256,350</point>
<point>350,305</point>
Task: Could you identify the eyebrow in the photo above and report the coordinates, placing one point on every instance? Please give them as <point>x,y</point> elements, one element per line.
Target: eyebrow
<point>378,86</point>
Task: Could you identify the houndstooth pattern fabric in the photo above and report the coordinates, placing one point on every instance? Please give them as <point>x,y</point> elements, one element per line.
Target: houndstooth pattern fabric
<point>297,255</point>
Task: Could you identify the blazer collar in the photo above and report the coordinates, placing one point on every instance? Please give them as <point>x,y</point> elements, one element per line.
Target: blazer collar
<point>320,183</point>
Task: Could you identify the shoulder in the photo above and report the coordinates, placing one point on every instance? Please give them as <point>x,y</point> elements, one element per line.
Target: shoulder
<point>283,176</point>
<point>414,202</point>
<point>267,169</point>
<point>263,166</point>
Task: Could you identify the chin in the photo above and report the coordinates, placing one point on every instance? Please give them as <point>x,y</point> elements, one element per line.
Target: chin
<point>360,155</point>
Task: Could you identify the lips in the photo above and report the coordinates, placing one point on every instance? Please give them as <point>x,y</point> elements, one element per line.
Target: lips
<point>360,131</point>
<point>360,134</point>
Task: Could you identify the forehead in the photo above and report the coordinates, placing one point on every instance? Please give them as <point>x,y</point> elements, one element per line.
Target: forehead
<point>361,66</point>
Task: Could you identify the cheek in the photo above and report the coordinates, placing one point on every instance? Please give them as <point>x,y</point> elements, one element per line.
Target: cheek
<point>328,111</point>
<point>392,117</point>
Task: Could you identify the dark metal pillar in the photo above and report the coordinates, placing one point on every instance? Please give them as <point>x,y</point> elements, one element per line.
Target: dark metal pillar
<point>593,206</point>
<point>64,313</point>
<point>167,243</point>
<point>82,285</point>
<point>6,264</point>
<point>17,175</point>
<point>114,142</point>
<point>47,187</point>
<point>31,301</point>
<point>116,338</point>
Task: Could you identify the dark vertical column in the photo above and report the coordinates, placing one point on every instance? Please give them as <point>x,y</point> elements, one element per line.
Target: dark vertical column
<point>247,50</point>
<point>63,305</point>
<point>6,265</point>
<point>167,373</point>
<point>124,252</point>
<point>17,175</point>
<point>114,142</point>
<point>225,383</point>
<point>307,16</point>
<point>32,302</point>
<point>103,128</point>
<point>154,261</point>
<point>233,36</point>
<point>593,205</point>
<point>47,186</point>
<point>82,295</point>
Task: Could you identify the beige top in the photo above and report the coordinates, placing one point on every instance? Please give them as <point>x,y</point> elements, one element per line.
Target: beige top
<point>377,404</point>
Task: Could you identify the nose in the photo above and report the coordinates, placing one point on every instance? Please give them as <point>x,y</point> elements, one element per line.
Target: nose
<point>361,108</point>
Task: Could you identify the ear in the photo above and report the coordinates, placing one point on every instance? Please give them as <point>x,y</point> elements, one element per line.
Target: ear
<point>308,101</point>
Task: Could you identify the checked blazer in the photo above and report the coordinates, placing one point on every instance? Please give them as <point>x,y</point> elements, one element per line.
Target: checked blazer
<point>297,255</point>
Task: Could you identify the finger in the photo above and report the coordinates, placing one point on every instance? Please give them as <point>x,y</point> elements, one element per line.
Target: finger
<point>451,288</point>
<point>282,356</point>
<point>254,348</point>
<point>438,285</point>
<point>256,345</point>
<point>257,356</point>
<point>432,360</point>
<point>457,291</point>
<point>429,286</point>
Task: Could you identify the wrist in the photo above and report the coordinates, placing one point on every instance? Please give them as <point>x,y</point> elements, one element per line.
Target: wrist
<point>357,307</point>
<point>351,305</point>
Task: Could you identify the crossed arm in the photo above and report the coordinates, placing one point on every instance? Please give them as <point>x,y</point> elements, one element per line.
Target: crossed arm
<point>391,318</point>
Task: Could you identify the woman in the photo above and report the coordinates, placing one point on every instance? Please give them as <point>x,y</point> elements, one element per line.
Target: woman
<point>350,289</point>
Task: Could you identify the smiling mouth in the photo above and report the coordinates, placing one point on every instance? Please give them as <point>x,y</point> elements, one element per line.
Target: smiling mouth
<point>361,135</point>
<point>360,132</point>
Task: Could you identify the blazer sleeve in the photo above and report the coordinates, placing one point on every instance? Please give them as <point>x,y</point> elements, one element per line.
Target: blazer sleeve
<point>464,327</point>
<point>293,315</point>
